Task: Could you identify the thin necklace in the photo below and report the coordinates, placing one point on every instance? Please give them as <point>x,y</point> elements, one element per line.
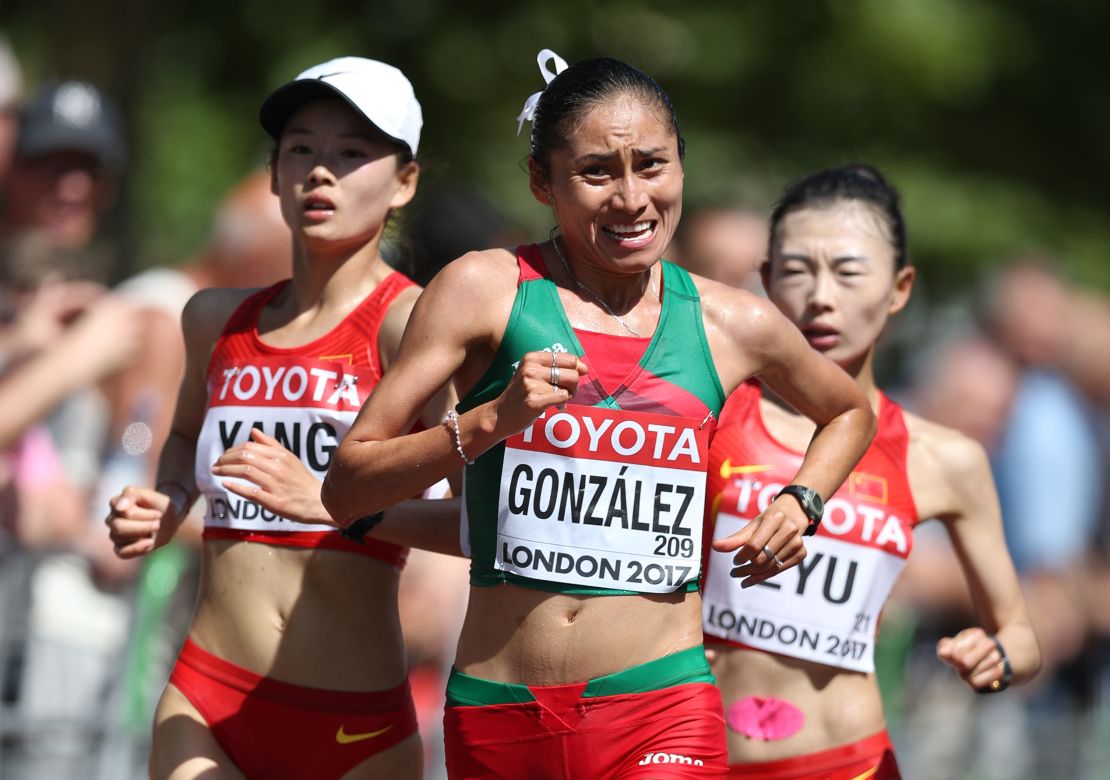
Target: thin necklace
<point>595,296</point>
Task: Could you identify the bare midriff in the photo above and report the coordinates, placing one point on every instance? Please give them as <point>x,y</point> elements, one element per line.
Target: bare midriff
<point>838,706</point>
<point>312,617</point>
<point>532,637</point>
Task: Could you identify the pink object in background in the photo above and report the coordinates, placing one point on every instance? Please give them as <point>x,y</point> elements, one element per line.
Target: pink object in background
<point>764,718</point>
<point>34,460</point>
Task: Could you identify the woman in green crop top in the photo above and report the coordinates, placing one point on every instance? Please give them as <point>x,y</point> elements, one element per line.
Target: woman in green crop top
<point>590,374</point>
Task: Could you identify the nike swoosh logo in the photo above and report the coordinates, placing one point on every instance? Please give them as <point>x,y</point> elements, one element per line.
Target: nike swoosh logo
<point>343,738</point>
<point>728,470</point>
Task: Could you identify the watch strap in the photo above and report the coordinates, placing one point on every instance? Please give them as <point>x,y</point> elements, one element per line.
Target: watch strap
<point>359,528</point>
<point>804,496</point>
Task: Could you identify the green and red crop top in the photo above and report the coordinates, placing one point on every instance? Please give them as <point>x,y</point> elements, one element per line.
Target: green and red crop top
<point>604,496</point>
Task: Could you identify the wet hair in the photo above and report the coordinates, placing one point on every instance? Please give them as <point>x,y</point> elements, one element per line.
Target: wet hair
<point>855,182</point>
<point>578,89</point>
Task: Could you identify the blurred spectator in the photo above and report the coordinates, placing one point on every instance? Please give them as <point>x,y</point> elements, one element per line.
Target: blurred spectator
<point>970,387</point>
<point>65,339</point>
<point>1017,391</point>
<point>724,244</point>
<point>63,177</point>
<point>101,340</point>
<point>68,161</point>
<point>1048,462</point>
<point>1050,472</point>
<point>248,246</point>
<point>11,96</point>
<point>1087,362</point>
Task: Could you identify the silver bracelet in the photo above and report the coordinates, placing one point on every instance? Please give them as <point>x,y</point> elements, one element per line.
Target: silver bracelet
<point>451,419</point>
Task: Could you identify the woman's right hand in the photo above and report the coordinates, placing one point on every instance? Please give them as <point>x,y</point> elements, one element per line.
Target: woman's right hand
<point>138,523</point>
<point>531,391</point>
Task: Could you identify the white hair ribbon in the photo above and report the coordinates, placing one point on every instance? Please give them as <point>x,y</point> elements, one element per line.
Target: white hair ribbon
<point>542,59</point>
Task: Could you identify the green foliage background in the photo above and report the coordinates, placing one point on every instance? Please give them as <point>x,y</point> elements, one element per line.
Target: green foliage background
<point>992,117</point>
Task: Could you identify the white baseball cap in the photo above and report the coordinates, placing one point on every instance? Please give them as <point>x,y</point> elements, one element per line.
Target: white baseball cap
<point>379,92</point>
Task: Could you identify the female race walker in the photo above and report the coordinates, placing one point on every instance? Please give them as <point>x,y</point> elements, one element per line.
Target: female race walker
<point>795,656</point>
<point>294,664</point>
<point>591,375</point>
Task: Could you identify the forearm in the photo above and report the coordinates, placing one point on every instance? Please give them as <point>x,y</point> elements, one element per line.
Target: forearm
<point>835,449</point>
<point>32,390</point>
<point>176,476</point>
<point>427,524</point>
<point>367,476</point>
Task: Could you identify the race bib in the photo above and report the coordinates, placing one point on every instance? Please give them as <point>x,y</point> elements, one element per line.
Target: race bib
<point>311,435</point>
<point>825,609</point>
<point>604,498</point>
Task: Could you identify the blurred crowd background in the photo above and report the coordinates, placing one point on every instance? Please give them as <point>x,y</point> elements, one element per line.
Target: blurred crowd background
<point>132,174</point>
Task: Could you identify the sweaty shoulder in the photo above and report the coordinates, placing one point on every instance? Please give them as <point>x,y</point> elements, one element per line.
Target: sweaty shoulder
<point>481,272</point>
<point>737,323</point>
<point>206,313</point>
<point>947,469</point>
<point>474,292</point>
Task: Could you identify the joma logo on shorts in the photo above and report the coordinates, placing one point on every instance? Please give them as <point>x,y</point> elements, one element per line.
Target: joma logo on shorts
<point>669,758</point>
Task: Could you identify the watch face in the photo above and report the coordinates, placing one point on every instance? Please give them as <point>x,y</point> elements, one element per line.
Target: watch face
<point>816,502</point>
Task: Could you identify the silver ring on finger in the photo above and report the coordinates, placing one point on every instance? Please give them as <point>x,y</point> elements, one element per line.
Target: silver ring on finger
<point>553,359</point>
<point>554,388</point>
<point>555,376</point>
<point>772,556</point>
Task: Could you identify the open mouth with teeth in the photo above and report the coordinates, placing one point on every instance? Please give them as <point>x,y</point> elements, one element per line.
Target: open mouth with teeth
<point>632,235</point>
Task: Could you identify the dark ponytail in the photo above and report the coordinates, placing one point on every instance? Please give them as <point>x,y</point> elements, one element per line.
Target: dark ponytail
<point>581,87</point>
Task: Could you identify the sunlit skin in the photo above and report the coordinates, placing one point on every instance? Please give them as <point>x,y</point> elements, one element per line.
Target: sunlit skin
<point>832,272</point>
<point>326,143</point>
<point>833,276</point>
<point>266,607</point>
<point>620,167</point>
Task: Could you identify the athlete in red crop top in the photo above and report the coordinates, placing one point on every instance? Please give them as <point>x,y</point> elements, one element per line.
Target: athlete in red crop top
<point>794,655</point>
<point>294,663</point>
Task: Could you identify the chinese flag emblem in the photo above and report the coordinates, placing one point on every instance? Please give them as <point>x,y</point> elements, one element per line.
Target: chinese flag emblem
<point>867,487</point>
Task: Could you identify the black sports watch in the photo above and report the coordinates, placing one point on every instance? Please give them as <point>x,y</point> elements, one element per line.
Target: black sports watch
<point>811,503</point>
<point>359,528</point>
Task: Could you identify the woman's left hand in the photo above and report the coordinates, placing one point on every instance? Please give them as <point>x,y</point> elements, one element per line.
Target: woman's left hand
<point>769,544</point>
<point>279,481</point>
<point>974,656</point>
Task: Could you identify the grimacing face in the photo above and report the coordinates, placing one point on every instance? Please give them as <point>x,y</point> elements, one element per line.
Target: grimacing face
<point>832,273</point>
<point>616,187</point>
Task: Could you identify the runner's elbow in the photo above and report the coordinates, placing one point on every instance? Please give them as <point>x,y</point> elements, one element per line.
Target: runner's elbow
<point>334,492</point>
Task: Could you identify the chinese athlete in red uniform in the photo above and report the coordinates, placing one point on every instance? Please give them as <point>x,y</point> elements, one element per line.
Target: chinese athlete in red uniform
<point>294,664</point>
<point>795,653</point>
